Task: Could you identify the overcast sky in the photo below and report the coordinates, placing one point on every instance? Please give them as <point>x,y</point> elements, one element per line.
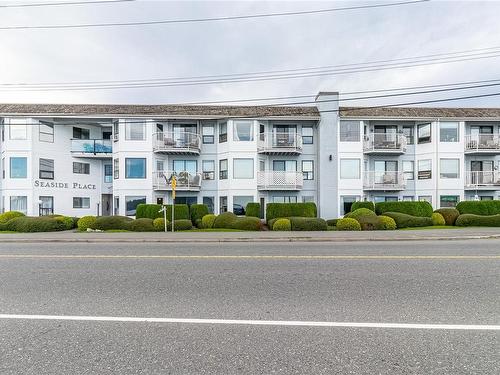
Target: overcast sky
<point>194,49</point>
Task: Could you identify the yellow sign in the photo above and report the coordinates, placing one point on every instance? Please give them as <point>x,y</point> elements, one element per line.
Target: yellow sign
<point>174,184</point>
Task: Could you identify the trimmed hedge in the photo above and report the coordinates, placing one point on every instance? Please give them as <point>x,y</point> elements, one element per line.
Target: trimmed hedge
<point>420,208</point>
<point>151,211</point>
<point>450,215</point>
<point>437,219</point>
<point>197,211</point>
<point>247,223</point>
<point>278,210</point>
<point>332,222</point>
<point>479,207</point>
<point>67,221</point>
<point>348,224</point>
<point>252,210</point>
<point>360,212</point>
<point>282,225</point>
<point>86,222</point>
<point>207,221</point>
<point>387,223</point>
<point>471,220</point>
<point>159,224</point>
<point>225,220</point>
<point>141,225</point>
<point>181,224</point>
<point>363,204</point>
<point>112,222</point>
<point>369,222</point>
<point>6,216</point>
<point>407,221</point>
<point>29,224</point>
<point>307,224</point>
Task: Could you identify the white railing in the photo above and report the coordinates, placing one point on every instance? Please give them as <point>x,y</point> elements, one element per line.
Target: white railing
<point>279,180</point>
<point>92,146</point>
<point>177,141</point>
<point>288,142</point>
<point>185,180</point>
<point>482,178</point>
<point>385,142</point>
<point>482,142</point>
<point>384,180</point>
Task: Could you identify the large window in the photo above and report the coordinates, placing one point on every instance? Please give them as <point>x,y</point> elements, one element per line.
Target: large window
<point>448,132</point>
<point>448,200</point>
<point>243,131</point>
<point>209,201</point>
<point>131,203</point>
<point>135,168</point>
<point>46,132</point>
<point>223,169</point>
<point>81,168</point>
<point>190,166</point>
<point>116,130</point>
<point>240,203</point>
<point>46,169</point>
<point>350,168</point>
<point>424,169</point>
<point>223,132</point>
<point>80,133</point>
<point>425,198</point>
<point>135,131</point>
<point>18,167</point>
<point>108,173</point>
<point>449,168</point>
<point>18,129</point>
<point>208,132</point>
<point>19,203</point>
<point>208,169</point>
<point>285,165</point>
<point>46,206</point>
<point>285,199</point>
<point>408,133</point>
<point>116,168</point>
<point>349,131</point>
<point>81,202</point>
<point>409,169</point>
<point>242,168</point>
<point>307,135</point>
<point>424,133</point>
<point>308,169</point>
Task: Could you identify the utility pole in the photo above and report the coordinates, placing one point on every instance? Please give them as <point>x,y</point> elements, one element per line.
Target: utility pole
<point>174,184</point>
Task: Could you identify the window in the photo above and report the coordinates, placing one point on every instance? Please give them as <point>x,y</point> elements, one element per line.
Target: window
<point>46,206</point>
<point>448,200</point>
<point>106,134</point>
<point>242,168</point>
<point>346,202</point>
<point>486,197</point>
<point>81,168</point>
<point>189,166</point>
<point>240,204</point>
<point>134,131</point>
<point>223,169</point>
<point>424,169</point>
<point>18,167</point>
<point>46,132</point>
<point>116,130</point>
<point>3,167</point>
<point>307,135</point>
<point>424,133</point>
<point>243,131</point>
<point>108,173</point>
<point>408,198</point>
<point>285,165</point>
<point>209,202</point>
<point>18,129</point>
<point>159,165</point>
<point>79,133</point>
<point>222,204</point>
<point>285,199</point>
<point>349,131</point>
<point>208,132</point>
<point>308,198</point>
<point>46,169</point>
<point>223,132</point>
<point>135,168</point>
<point>81,202</point>
<point>208,169</point>
<point>308,169</point>
<point>350,168</point>
<point>131,203</point>
<point>409,169</point>
<point>425,198</point>
<point>408,133</point>
<point>448,132</point>
<point>19,203</point>
<point>116,168</point>
<point>116,205</point>
<point>449,168</point>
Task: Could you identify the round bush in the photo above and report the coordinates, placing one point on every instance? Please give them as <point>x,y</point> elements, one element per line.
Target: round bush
<point>112,222</point>
<point>437,219</point>
<point>225,220</point>
<point>348,224</point>
<point>207,221</point>
<point>282,225</point>
<point>197,211</point>
<point>141,225</point>
<point>387,223</point>
<point>86,222</point>
<point>450,215</point>
<point>332,222</point>
<point>369,222</point>
<point>159,224</point>
<point>66,221</point>
<point>181,224</point>
<point>308,224</point>
<point>247,223</point>
<point>6,216</point>
<point>360,212</point>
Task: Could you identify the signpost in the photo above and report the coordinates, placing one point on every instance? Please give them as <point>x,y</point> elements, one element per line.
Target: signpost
<point>173,183</point>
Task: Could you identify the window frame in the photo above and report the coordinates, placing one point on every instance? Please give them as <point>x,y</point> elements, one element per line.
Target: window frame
<point>448,196</point>
<point>136,198</point>
<point>443,175</point>
<point>350,135</point>
<point>236,134</point>
<point>410,138</point>
<point>412,171</point>
<point>82,199</point>
<point>223,172</point>
<point>110,167</point>
<point>457,129</point>
<point>18,158</point>
<point>358,168</point>
<point>208,174</point>
<point>116,168</point>
<point>237,170</point>
<point>50,138</point>
<point>49,172</point>
<point>223,134</point>
<point>307,139</point>
<point>86,168</point>
<point>128,175</point>
<point>208,139</point>
<point>308,175</point>
<point>426,139</point>
<point>424,176</point>
<point>84,133</point>
<point>128,130</point>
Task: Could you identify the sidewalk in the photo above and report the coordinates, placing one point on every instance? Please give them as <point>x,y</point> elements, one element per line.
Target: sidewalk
<point>183,237</point>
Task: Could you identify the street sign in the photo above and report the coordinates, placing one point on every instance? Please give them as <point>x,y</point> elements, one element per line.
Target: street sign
<point>174,185</point>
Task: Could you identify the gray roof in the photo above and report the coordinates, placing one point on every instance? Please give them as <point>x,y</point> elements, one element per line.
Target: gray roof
<point>420,112</point>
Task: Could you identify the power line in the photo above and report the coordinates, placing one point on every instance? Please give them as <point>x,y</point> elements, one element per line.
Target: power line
<point>64,3</point>
<point>211,19</point>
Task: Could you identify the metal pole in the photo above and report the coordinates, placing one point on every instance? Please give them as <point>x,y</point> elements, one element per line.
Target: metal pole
<point>165,217</point>
<point>173,208</point>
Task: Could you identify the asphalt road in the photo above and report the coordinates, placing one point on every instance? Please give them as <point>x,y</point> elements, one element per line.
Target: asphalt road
<point>425,283</point>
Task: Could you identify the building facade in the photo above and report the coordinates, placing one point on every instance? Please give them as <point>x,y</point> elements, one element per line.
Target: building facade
<point>105,159</point>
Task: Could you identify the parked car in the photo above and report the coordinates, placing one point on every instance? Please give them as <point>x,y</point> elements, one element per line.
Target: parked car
<point>238,209</point>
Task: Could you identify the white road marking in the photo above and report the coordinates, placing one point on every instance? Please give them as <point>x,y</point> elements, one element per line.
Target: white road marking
<point>294,323</point>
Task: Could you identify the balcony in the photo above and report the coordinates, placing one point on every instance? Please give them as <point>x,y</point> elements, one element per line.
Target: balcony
<point>482,180</point>
<point>384,181</point>
<point>279,180</point>
<point>482,144</point>
<point>384,143</point>
<point>185,181</point>
<point>279,144</point>
<point>91,148</point>
<point>177,143</point>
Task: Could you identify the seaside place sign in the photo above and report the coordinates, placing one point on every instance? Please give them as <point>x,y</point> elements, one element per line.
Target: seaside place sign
<point>63,185</point>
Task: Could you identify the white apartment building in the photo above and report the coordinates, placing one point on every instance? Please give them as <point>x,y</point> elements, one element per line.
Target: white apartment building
<point>105,159</point>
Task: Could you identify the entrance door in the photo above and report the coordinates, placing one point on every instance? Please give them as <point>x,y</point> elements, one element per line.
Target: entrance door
<point>106,204</point>
<point>482,171</point>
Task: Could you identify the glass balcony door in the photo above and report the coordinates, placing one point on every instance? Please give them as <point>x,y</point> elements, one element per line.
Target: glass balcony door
<point>482,172</point>
<point>284,135</point>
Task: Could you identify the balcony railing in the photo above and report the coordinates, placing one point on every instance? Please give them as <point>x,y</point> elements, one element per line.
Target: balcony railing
<point>482,179</point>
<point>279,180</point>
<point>385,143</point>
<point>384,180</point>
<point>184,180</point>
<point>91,146</point>
<point>177,142</point>
<point>279,143</point>
<point>482,143</point>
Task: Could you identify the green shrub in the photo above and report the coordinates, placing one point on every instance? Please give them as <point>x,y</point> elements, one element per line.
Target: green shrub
<point>279,210</point>
<point>363,204</point>
<point>407,221</point>
<point>420,208</point>
<point>479,207</point>
<point>197,211</point>
<point>181,212</point>
<point>207,221</point>
<point>86,222</point>
<point>471,220</point>
<point>307,224</point>
<point>143,224</point>
<point>252,209</point>
<point>387,223</point>
<point>437,219</point>
<point>368,222</point>
<point>148,210</point>
<point>6,216</point>
<point>225,220</point>
<point>348,224</point>
<point>159,224</point>
<point>450,215</point>
<point>332,222</point>
<point>112,223</point>
<point>282,225</point>
<point>360,212</point>
<point>29,224</point>
<point>182,224</point>
<point>247,223</point>
<point>66,221</point>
